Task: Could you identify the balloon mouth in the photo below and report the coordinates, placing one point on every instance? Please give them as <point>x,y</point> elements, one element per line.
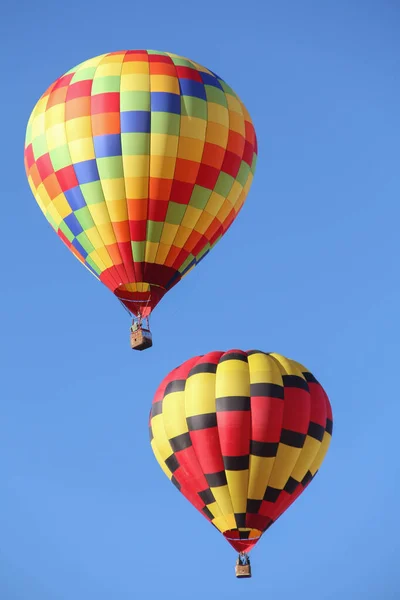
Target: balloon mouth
<point>241,545</point>
<point>140,298</point>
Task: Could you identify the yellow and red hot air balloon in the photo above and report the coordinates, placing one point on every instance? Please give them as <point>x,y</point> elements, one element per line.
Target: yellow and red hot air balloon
<point>241,435</point>
<point>140,160</point>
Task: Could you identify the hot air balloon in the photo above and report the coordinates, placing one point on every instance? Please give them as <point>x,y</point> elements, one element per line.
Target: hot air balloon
<point>140,161</point>
<point>241,435</point>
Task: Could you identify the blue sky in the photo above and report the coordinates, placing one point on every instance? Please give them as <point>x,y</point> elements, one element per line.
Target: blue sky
<point>309,269</point>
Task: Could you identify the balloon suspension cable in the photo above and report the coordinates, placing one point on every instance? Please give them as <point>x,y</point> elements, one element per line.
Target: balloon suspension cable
<point>138,316</point>
<point>147,304</point>
<point>127,309</point>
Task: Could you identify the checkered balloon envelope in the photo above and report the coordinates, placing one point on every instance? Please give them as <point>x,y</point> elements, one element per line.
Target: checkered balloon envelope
<point>140,161</point>
<point>241,435</point>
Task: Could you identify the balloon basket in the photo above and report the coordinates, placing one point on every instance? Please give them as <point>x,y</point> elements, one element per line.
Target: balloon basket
<point>242,571</point>
<point>141,339</point>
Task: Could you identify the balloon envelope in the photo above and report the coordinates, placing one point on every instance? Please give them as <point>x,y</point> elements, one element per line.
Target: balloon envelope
<point>140,161</point>
<point>241,435</point>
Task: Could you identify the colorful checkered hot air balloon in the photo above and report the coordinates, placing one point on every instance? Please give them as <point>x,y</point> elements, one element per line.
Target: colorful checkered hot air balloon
<point>241,435</point>
<point>140,161</point>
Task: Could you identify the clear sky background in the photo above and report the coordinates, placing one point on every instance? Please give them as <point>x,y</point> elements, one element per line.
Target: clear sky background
<point>309,269</point>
